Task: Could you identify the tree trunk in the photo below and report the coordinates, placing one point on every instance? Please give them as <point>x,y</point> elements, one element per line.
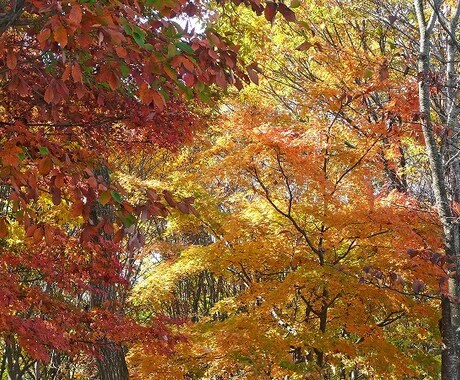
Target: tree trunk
<point>450,322</point>
<point>12,359</point>
<point>111,362</point>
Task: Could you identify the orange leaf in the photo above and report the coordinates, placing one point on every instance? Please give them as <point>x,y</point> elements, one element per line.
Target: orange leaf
<point>11,60</point>
<point>45,165</point>
<point>30,230</point>
<point>104,197</point>
<point>49,94</point>
<point>43,36</point>
<point>49,235</point>
<point>159,100</point>
<point>38,235</point>
<point>60,35</point>
<point>77,209</point>
<point>75,14</point>
<point>304,46</point>
<point>3,228</point>
<point>76,73</point>
<point>121,52</point>
<point>59,181</point>
<point>66,73</point>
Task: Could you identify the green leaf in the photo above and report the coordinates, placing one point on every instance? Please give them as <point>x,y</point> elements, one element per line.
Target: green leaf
<point>172,51</point>
<point>367,74</point>
<point>124,70</point>
<point>129,220</point>
<point>139,36</point>
<point>116,196</point>
<point>43,150</point>
<point>186,48</point>
<point>126,27</point>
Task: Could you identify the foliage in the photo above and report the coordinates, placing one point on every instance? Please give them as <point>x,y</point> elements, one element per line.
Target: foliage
<point>329,281</point>
<point>282,231</point>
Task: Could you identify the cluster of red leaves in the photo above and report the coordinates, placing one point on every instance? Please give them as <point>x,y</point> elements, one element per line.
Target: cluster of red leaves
<point>80,80</point>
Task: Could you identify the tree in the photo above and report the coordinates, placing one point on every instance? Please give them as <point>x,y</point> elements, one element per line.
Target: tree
<point>327,276</point>
<point>79,81</point>
<point>440,155</point>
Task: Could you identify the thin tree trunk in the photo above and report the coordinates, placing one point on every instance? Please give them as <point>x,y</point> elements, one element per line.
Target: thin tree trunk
<point>12,360</point>
<point>450,324</point>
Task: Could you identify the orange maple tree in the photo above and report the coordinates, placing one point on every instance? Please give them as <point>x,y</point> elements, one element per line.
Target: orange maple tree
<point>314,233</point>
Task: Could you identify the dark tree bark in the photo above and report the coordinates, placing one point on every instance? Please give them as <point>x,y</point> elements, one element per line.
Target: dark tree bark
<point>111,361</point>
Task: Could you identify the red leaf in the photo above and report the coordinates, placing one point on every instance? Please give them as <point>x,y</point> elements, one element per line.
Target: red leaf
<point>305,46</point>
<point>108,228</point>
<point>92,182</point>
<point>169,198</point>
<point>253,74</point>
<point>193,210</point>
<point>188,200</point>
<point>152,195</point>
<point>418,286</point>
<point>183,207</point>
<point>270,10</point>
<point>118,236</point>
<point>38,235</point>
<point>287,13</point>
<point>56,195</point>
<point>189,79</point>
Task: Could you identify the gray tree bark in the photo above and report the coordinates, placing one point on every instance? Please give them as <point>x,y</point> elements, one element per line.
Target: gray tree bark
<point>450,323</point>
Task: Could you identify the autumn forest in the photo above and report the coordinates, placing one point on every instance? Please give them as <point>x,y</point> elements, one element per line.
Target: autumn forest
<point>229,189</point>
